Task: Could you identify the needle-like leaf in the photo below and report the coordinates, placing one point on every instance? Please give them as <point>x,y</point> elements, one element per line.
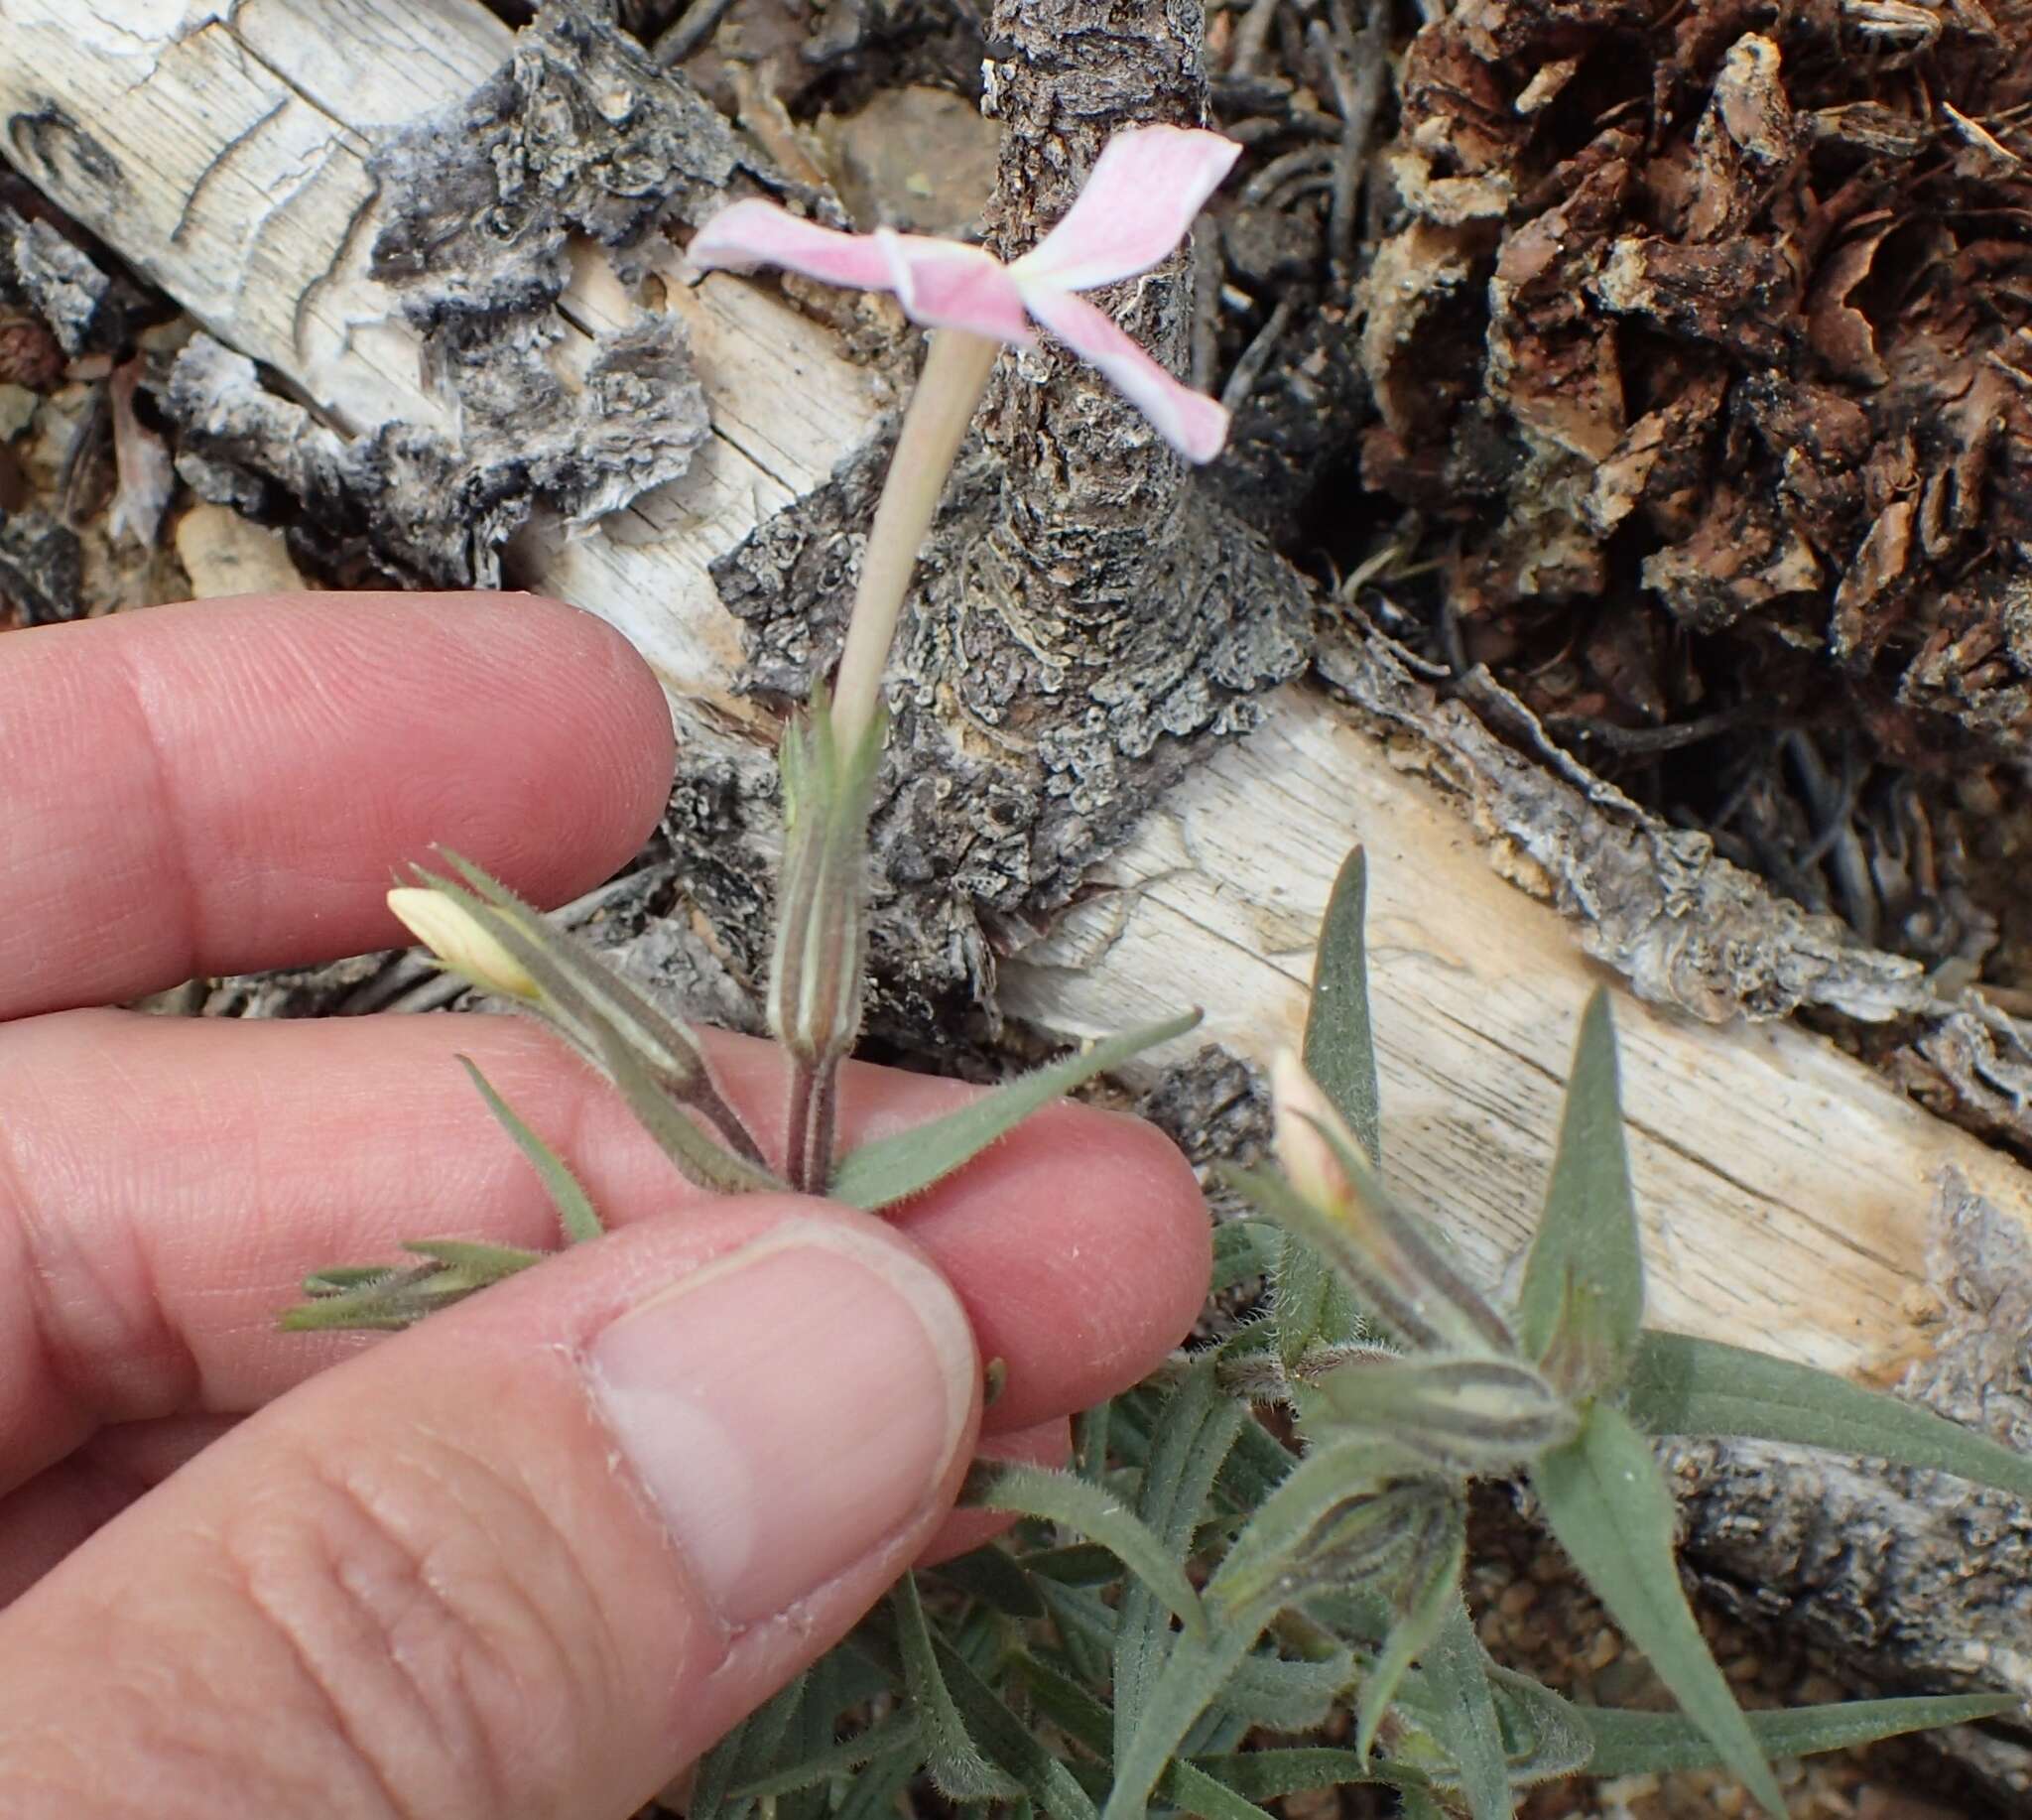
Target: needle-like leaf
<point>891,1169</point>
<point>576,1211</point>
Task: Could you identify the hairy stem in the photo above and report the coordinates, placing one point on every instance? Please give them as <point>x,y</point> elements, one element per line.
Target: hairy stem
<point>955,374</point>
<point>808,1143</point>
<point>706,1099</point>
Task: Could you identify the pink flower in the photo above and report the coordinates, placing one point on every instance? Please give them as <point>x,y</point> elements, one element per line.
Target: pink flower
<point>1147,185</point>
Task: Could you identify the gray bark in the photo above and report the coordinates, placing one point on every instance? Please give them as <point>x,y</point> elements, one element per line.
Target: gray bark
<point>1087,619</point>
<point>1908,1581</point>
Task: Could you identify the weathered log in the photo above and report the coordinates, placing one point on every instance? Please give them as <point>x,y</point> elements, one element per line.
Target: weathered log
<point>1789,1192</point>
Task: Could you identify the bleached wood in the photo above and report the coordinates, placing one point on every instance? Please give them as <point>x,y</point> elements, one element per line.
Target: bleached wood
<point>223,150</point>
<point>1786,1188</point>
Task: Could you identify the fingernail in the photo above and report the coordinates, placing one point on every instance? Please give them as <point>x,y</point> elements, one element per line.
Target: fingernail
<point>789,1407</point>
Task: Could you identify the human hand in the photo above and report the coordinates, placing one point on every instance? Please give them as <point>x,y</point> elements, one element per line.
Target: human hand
<point>535,1554</point>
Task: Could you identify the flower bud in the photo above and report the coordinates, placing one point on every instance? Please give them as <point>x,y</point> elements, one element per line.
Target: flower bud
<point>1474,1415</point>
<point>1303,1117</point>
<point>461,940</point>
<point>819,956</point>
<point>1397,1273</point>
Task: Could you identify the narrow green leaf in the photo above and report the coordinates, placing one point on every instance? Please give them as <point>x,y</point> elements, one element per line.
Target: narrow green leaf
<point>1680,1385</point>
<point>835,1700</point>
<point>1080,1564</point>
<point>1086,1625</point>
<point>1583,1298</point>
<point>1186,1786</point>
<point>479,1263</point>
<point>1298,1308</point>
<point>1077,1713</point>
<point>1010,1743</point>
<point>890,1169</point>
<point>1255,1465</point>
<point>1610,1510</point>
<point>1339,1043</point>
<point>1432,1593</point>
<point>1085,1721</point>
<point>1285,1694</point>
<point>875,1793</point>
<point>1266,1775</point>
<point>386,1303</point>
<point>1183,1788</point>
<point>1080,1505</point>
<point>898,1731</point>
<point>1191,1679</point>
<point>954,1760</point>
<point>388,1298</point>
<point>343,1279</point>
<point>1464,1720</point>
<point>989,1574</point>
<point>713,1780</point>
<point>1636,1743</point>
<point>762,1738</point>
<point>1544,1737</point>
<point>576,1211</point>
<point>1196,1429</point>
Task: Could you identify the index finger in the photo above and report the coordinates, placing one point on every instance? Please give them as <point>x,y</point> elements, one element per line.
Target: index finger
<point>230,785</point>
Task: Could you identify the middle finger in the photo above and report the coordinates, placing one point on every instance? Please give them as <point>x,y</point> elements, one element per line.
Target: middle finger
<point>165,1184</point>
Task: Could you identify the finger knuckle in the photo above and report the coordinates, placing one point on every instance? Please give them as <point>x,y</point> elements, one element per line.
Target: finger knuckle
<point>434,1619</point>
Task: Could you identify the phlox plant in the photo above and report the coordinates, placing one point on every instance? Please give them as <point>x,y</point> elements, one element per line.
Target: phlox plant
<point>1193,1583</point>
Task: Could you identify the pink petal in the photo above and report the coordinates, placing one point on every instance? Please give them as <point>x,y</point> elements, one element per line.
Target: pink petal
<point>939,283</point>
<point>744,236</point>
<point>1148,184</point>
<point>1192,423</point>
<point>945,284</point>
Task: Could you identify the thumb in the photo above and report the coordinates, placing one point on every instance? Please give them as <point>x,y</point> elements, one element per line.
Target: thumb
<point>530,1557</point>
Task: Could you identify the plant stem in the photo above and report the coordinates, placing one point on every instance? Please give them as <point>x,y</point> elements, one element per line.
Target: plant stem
<point>807,1144</point>
<point>957,369</point>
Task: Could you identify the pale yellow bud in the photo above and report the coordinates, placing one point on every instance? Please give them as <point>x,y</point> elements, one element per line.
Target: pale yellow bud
<point>1302,1117</point>
<point>1397,1273</point>
<point>461,940</point>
